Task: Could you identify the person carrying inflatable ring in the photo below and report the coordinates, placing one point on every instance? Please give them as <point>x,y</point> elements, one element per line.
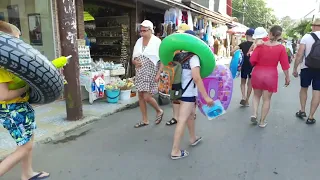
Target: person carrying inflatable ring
<point>166,74</point>
<point>184,88</point>
<point>17,116</point>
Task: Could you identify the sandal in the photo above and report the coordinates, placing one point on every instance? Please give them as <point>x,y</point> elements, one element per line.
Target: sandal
<point>310,121</point>
<point>301,114</point>
<point>40,176</point>
<point>172,122</point>
<point>197,141</point>
<point>254,120</point>
<point>243,102</point>
<point>184,154</point>
<point>140,124</point>
<point>159,118</point>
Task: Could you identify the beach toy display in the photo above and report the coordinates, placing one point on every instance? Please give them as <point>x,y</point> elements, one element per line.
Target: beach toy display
<point>219,86</point>
<point>236,63</point>
<point>190,43</point>
<point>33,68</point>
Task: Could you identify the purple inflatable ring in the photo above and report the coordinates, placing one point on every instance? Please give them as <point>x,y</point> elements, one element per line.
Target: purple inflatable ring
<point>219,85</point>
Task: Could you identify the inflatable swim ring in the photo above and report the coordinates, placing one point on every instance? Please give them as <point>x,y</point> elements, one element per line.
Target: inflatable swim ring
<point>32,67</point>
<point>218,86</point>
<point>236,63</point>
<point>190,43</point>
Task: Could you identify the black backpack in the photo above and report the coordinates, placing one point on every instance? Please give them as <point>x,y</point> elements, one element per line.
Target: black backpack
<point>313,59</point>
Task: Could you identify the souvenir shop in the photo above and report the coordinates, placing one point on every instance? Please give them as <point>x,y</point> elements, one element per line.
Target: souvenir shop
<point>105,52</point>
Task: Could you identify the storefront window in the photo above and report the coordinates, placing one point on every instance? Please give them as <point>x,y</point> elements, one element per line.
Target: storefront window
<point>34,19</point>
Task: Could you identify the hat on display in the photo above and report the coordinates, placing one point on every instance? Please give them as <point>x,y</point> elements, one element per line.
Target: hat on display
<point>183,27</point>
<point>190,32</point>
<point>260,33</point>
<point>250,32</point>
<point>316,20</point>
<point>147,24</point>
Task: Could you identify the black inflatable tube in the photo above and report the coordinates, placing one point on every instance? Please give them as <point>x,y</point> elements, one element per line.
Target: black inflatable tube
<point>30,65</point>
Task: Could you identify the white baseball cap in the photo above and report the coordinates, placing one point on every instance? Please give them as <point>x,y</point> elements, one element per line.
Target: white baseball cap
<point>147,24</point>
<point>260,33</point>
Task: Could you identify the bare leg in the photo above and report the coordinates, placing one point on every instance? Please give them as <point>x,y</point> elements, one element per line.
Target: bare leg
<point>13,159</point>
<point>303,99</point>
<point>256,101</point>
<point>149,99</point>
<point>27,170</point>
<point>266,96</point>
<point>249,90</point>
<point>243,88</point>
<point>185,111</point>
<point>314,103</point>
<point>143,107</point>
<point>175,108</point>
<point>192,127</point>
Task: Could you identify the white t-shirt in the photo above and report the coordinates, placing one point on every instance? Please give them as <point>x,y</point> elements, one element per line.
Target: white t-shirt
<point>192,90</point>
<point>308,41</point>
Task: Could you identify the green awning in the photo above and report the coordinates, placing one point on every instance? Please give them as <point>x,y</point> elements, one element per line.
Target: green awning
<point>87,16</point>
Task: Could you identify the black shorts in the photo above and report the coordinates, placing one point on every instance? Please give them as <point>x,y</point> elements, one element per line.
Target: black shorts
<point>308,77</point>
<point>188,99</point>
<point>246,72</point>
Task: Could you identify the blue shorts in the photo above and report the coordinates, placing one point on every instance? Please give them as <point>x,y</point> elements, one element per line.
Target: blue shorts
<point>19,120</point>
<point>308,77</point>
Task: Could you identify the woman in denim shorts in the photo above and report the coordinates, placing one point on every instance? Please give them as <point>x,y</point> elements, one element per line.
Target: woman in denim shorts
<point>17,116</point>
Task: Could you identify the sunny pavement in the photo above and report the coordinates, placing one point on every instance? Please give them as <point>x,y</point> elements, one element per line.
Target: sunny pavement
<point>232,149</point>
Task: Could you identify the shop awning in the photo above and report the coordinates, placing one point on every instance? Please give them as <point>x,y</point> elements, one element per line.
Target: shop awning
<point>215,16</point>
<point>194,7</point>
<point>87,16</point>
<point>237,28</point>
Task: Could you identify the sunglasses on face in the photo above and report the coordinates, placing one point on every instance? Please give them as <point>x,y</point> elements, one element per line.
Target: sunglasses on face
<point>144,30</point>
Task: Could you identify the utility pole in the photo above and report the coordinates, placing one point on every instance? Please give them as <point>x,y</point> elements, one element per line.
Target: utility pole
<point>68,39</point>
<point>244,10</point>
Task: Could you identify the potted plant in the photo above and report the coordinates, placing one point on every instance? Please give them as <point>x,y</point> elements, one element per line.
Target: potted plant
<point>113,92</point>
<point>125,86</point>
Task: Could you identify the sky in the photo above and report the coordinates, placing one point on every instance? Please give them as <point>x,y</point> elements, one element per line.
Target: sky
<point>296,9</point>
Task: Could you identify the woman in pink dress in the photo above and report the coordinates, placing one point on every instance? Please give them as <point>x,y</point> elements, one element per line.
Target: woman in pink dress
<point>265,59</point>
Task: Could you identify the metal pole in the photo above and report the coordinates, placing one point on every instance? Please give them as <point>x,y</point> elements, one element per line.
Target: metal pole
<point>244,9</point>
<point>68,40</point>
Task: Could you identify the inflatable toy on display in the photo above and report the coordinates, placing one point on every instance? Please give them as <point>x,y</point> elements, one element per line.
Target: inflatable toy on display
<point>236,63</point>
<point>46,82</point>
<point>219,86</point>
<point>190,43</point>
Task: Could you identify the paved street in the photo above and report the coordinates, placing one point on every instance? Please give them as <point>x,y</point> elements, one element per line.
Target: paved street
<point>232,149</point>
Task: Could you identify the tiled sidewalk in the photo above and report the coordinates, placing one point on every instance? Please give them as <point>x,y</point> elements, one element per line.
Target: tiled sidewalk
<point>51,121</point>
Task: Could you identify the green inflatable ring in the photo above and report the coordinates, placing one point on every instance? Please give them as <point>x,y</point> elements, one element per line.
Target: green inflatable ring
<point>190,43</point>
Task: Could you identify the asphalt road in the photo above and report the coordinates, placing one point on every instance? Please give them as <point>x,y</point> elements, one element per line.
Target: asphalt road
<point>232,149</point>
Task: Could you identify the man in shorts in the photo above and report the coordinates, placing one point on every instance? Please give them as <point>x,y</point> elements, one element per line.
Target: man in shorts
<point>246,68</point>
<point>17,116</point>
<point>308,76</point>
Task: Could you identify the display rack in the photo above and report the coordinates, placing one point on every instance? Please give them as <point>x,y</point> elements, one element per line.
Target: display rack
<point>109,38</point>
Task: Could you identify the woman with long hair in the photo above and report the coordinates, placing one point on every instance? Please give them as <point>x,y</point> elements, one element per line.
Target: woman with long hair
<point>146,59</point>
<point>265,59</point>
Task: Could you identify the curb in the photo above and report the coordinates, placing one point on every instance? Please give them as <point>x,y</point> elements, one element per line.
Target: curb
<point>78,124</point>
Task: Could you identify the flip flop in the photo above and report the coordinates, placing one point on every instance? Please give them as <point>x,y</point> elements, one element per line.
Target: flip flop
<point>196,142</point>
<point>38,176</point>
<point>140,124</point>
<point>184,154</point>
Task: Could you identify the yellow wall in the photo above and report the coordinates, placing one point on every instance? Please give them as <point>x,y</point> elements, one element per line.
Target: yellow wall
<point>43,7</point>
